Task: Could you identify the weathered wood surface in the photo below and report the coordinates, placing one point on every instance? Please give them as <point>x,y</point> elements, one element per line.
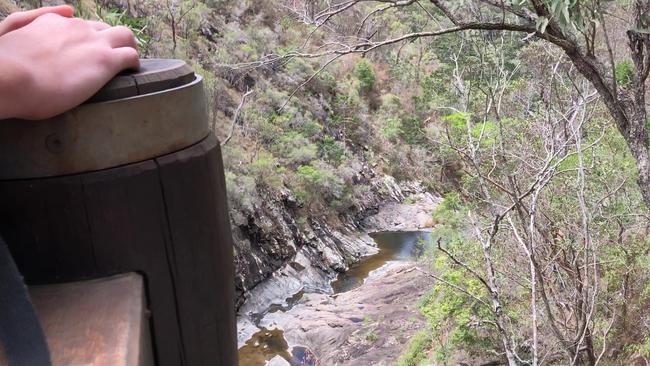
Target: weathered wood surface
<point>99,136</point>
<point>101,322</point>
<point>166,218</point>
<point>154,75</point>
<point>194,190</point>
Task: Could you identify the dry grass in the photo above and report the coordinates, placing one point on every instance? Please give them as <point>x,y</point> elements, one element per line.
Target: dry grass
<point>7,7</point>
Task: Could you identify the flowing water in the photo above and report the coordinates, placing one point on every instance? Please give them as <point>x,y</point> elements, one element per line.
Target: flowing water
<point>267,344</point>
<point>393,246</point>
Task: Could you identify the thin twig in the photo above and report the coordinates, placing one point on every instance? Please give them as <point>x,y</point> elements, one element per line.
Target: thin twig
<point>236,116</point>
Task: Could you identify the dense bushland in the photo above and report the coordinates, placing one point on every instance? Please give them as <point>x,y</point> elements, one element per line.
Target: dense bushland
<point>541,249</point>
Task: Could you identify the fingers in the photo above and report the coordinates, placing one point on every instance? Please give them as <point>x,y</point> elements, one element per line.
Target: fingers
<point>98,26</point>
<point>62,10</point>
<point>124,54</point>
<point>125,58</point>
<point>20,19</point>
<point>119,37</point>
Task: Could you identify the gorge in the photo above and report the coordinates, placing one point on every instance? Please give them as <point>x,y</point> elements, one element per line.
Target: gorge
<point>297,328</point>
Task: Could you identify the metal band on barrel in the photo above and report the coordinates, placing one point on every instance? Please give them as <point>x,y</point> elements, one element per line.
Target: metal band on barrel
<point>103,135</point>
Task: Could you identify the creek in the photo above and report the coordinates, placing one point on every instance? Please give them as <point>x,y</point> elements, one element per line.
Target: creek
<point>267,344</point>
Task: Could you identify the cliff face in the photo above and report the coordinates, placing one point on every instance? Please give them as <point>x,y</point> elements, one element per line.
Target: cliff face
<point>271,241</point>
<point>315,264</point>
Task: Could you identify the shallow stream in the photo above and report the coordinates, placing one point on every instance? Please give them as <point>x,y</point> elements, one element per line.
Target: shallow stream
<point>393,246</point>
<point>267,344</point>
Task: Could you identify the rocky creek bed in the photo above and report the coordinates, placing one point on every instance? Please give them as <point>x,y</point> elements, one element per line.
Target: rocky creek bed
<point>368,325</point>
<point>363,316</point>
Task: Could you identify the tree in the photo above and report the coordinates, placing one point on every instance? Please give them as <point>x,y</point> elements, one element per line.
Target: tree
<point>509,168</point>
<point>506,177</point>
<point>176,12</point>
<point>576,27</point>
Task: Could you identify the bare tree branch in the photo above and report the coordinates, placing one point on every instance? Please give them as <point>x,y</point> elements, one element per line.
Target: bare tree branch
<point>235,117</point>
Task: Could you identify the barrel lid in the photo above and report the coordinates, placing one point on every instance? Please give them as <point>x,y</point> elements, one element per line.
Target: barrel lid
<point>154,75</point>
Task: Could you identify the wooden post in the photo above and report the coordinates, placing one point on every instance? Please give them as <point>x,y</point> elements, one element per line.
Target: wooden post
<point>132,181</point>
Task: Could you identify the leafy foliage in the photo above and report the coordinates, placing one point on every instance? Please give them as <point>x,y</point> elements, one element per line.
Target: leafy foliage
<point>416,353</point>
<point>315,181</point>
<point>116,16</point>
<point>624,72</point>
<point>457,113</point>
<point>366,75</point>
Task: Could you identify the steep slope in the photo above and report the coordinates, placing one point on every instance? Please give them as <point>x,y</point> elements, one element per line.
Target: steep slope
<point>305,162</point>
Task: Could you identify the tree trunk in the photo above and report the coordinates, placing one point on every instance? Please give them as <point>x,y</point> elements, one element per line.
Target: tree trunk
<point>173,34</point>
<point>636,137</point>
<point>627,108</point>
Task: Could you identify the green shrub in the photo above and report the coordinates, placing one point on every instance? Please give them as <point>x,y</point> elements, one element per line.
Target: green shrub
<point>367,320</point>
<point>391,102</point>
<point>412,130</point>
<point>302,154</point>
<point>295,149</point>
<point>317,182</point>
<point>624,72</point>
<point>457,121</point>
<point>310,128</point>
<point>417,349</point>
<point>642,349</point>
<point>372,336</point>
<point>391,129</point>
<point>242,192</point>
<point>265,169</point>
<point>115,16</point>
<point>285,23</point>
<point>451,313</point>
<point>365,73</point>
<point>331,150</point>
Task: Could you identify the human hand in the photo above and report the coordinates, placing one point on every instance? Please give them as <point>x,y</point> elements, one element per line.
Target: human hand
<point>21,18</point>
<point>54,63</point>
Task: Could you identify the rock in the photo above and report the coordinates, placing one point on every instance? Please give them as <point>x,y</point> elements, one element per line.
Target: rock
<point>313,272</point>
<point>337,333</point>
<point>245,330</point>
<point>278,361</point>
<point>405,217</point>
<point>286,259</point>
<point>268,237</point>
<point>267,234</point>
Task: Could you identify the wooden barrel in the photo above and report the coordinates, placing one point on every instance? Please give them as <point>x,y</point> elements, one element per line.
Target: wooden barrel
<point>130,181</point>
